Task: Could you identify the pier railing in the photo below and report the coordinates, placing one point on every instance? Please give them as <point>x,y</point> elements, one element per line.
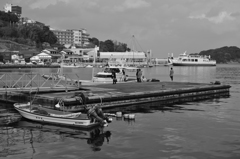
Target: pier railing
<point>32,81</point>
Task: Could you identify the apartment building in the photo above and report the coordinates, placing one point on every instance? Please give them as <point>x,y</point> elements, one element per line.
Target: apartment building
<point>64,36</point>
<point>73,37</point>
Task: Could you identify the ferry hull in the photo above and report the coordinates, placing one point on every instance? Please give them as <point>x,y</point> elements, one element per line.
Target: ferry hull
<point>194,64</point>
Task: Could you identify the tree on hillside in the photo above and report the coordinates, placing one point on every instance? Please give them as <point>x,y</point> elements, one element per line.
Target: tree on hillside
<point>8,32</point>
<point>120,47</point>
<point>103,47</point>
<point>46,35</point>
<point>110,45</point>
<point>37,34</point>
<point>8,17</point>
<point>224,54</point>
<point>94,41</point>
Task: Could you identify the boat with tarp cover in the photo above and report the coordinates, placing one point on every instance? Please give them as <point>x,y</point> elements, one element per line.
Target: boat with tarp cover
<point>45,115</point>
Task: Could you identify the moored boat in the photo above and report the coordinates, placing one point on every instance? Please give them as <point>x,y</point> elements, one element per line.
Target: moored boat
<point>105,76</point>
<point>44,115</point>
<point>193,60</point>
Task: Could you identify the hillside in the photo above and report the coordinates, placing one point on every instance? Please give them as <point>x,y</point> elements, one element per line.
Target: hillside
<point>11,45</point>
<point>225,54</point>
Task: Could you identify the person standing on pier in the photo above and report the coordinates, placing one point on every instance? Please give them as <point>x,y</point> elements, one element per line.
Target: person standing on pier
<point>124,76</point>
<point>171,73</point>
<point>139,75</point>
<point>114,77</point>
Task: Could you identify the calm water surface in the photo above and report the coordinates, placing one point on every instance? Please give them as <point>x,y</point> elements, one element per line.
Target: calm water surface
<point>194,130</point>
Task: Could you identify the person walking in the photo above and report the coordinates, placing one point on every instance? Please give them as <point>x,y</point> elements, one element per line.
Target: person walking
<point>171,73</point>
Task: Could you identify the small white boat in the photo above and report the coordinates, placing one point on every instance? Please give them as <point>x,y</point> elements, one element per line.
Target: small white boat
<point>44,115</point>
<point>105,76</point>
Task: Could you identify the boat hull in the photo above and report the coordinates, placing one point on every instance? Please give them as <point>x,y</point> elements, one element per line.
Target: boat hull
<point>193,64</point>
<point>75,122</point>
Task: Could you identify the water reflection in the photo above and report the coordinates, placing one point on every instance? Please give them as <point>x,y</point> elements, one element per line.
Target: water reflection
<point>19,137</point>
<point>151,108</point>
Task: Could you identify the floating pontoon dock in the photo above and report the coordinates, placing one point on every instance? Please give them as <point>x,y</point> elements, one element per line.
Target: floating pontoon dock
<point>120,94</point>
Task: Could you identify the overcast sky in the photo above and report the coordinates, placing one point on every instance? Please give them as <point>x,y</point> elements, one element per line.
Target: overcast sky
<point>163,26</point>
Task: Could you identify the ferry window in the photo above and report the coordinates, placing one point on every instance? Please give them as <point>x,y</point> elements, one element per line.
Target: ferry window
<point>196,60</point>
<point>112,69</point>
<point>104,76</point>
<point>184,59</point>
<point>192,60</point>
<point>189,60</point>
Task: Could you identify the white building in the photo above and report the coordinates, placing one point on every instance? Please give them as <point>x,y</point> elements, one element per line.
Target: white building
<point>75,37</point>
<point>13,9</point>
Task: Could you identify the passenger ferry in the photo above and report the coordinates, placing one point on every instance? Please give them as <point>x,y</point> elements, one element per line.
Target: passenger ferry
<point>193,60</point>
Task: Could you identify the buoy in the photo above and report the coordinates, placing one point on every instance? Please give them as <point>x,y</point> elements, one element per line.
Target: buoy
<point>110,120</point>
<point>105,123</point>
<point>119,114</point>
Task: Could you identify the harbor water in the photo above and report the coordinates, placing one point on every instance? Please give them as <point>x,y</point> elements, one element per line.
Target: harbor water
<point>208,129</point>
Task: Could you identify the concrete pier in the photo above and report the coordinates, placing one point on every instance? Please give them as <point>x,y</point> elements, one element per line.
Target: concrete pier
<point>122,94</point>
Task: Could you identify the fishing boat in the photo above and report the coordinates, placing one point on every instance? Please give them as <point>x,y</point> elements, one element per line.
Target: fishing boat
<point>193,60</point>
<point>105,76</point>
<point>45,115</point>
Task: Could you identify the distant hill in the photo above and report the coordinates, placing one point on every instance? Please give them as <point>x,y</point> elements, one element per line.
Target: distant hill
<point>224,54</point>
